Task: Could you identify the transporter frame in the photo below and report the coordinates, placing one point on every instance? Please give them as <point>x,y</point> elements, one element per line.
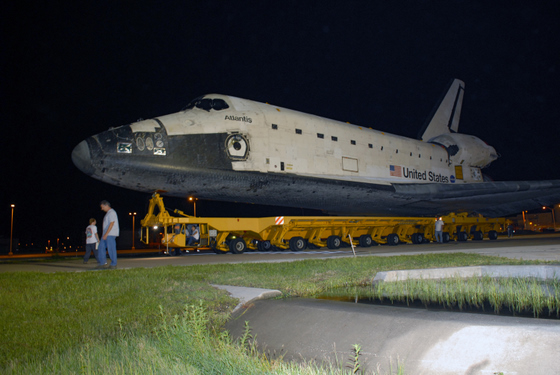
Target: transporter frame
<point>297,233</point>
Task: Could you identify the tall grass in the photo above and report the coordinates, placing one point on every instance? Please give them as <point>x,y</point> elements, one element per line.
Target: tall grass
<point>179,345</point>
<point>516,295</point>
<point>41,313</point>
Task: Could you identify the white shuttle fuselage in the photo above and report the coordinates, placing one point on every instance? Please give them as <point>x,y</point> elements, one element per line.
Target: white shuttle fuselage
<point>269,139</point>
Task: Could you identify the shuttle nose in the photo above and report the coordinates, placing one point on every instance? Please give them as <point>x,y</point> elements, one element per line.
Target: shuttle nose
<point>81,158</point>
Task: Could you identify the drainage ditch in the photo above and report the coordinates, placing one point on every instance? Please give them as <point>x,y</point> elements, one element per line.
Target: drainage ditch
<point>532,300</point>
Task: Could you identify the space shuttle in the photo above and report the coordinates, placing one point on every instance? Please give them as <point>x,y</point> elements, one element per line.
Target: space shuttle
<point>225,148</point>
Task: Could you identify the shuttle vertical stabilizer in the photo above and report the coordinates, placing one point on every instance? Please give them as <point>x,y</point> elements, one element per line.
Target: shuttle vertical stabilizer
<point>446,117</point>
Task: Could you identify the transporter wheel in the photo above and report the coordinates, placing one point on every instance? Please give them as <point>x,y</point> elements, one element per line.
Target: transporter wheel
<point>237,246</point>
<point>493,235</point>
<point>462,236</point>
<point>333,242</point>
<point>417,238</point>
<point>365,240</point>
<point>446,237</point>
<point>264,246</point>
<point>477,236</point>
<point>298,244</point>
<point>393,239</point>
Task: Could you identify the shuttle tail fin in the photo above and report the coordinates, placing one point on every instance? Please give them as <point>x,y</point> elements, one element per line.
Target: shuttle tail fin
<point>445,117</point>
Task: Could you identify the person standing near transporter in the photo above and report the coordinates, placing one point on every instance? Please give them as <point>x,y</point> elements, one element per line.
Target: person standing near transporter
<point>110,234</point>
<point>510,229</point>
<point>439,230</point>
<point>92,238</point>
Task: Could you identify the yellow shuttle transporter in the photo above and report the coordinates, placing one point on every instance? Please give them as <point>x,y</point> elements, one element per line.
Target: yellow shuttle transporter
<point>300,232</point>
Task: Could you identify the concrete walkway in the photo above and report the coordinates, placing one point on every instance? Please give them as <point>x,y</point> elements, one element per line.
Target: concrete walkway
<point>248,295</point>
<point>544,272</point>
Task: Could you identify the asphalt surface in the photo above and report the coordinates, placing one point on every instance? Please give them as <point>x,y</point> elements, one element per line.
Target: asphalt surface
<point>534,247</point>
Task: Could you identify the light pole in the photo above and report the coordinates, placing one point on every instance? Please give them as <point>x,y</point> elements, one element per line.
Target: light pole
<point>191,199</point>
<point>133,214</point>
<point>553,218</point>
<point>12,230</point>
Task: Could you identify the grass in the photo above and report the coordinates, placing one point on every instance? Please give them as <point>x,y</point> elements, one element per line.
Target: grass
<point>47,319</point>
<point>42,312</point>
<point>519,296</point>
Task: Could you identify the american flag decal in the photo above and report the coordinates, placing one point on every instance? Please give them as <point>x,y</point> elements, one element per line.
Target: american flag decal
<point>395,170</point>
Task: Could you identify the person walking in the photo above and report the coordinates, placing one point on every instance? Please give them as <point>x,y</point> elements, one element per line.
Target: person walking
<point>92,239</point>
<point>110,233</point>
<point>439,230</point>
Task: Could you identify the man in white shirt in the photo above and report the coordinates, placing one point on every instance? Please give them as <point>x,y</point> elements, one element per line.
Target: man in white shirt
<point>439,230</point>
<point>110,234</point>
<point>194,237</point>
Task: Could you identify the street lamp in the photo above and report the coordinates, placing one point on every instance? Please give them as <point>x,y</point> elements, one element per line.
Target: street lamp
<point>191,199</point>
<point>133,214</point>
<point>553,218</point>
<point>12,230</point>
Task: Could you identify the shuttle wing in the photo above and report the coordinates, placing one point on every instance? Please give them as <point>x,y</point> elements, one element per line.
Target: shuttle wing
<point>492,199</point>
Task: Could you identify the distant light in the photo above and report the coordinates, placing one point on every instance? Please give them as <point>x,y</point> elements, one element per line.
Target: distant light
<point>155,226</point>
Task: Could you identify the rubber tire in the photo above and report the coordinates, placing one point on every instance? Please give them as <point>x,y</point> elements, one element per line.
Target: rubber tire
<point>462,236</point>
<point>477,236</point>
<point>264,246</point>
<point>365,240</point>
<point>417,238</point>
<point>493,235</point>
<point>298,244</point>
<point>446,237</point>
<point>237,246</point>
<point>334,242</point>
<point>393,239</point>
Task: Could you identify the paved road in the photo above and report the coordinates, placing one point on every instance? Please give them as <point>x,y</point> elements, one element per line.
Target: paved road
<point>535,247</point>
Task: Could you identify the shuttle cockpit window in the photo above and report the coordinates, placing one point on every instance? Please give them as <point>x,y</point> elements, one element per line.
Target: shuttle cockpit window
<point>207,104</point>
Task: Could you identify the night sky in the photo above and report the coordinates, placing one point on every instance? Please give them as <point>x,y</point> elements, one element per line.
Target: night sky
<point>74,69</point>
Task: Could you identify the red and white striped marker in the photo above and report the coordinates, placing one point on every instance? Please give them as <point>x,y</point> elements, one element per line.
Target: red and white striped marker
<point>279,220</point>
